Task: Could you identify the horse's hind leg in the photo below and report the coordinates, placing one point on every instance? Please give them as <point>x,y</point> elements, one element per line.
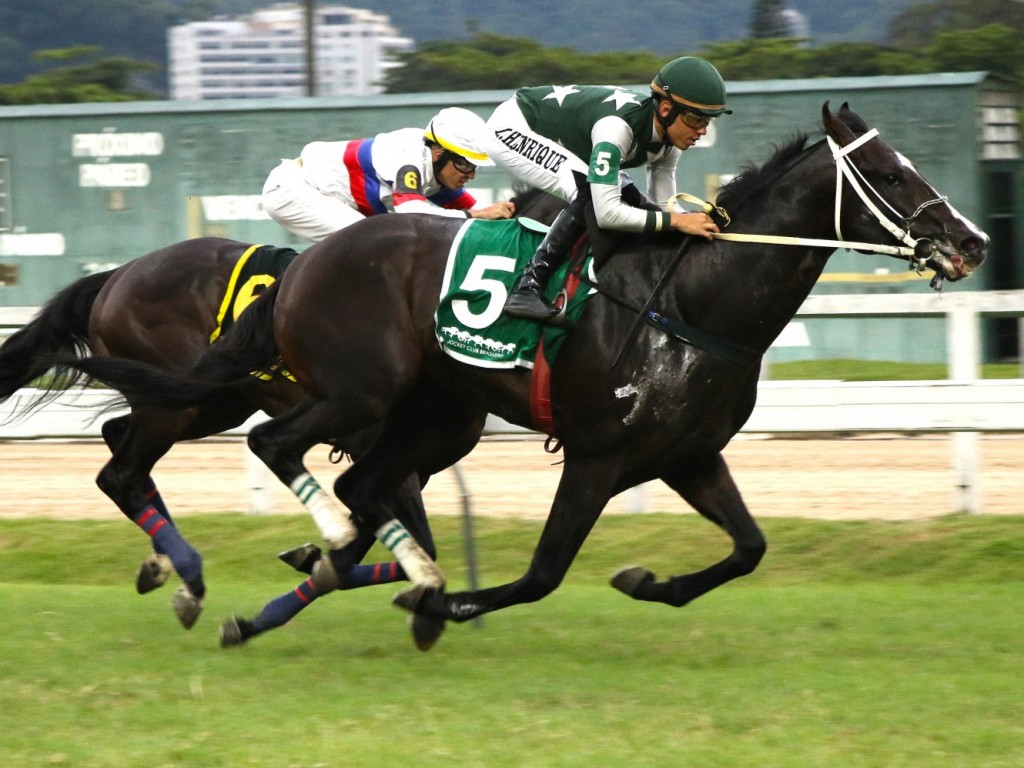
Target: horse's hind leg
<point>236,630</point>
<point>712,492</point>
<point>281,444</point>
<point>125,479</point>
<point>421,433</point>
<point>156,569</point>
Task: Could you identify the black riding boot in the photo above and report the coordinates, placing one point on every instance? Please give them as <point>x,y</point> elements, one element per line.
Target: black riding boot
<point>527,299</point>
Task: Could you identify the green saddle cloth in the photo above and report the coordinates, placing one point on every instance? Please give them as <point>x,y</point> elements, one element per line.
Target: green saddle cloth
<point>485,261</point>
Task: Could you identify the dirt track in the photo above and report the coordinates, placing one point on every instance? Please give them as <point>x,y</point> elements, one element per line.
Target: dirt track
<point>883,478</point>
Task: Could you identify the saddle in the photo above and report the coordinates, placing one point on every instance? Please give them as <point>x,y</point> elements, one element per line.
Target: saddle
<point>255,271</point>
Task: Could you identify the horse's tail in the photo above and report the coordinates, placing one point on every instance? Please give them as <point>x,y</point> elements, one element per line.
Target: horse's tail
<point>61,329</point>
<point>248,347</point>
<point>246,350</point>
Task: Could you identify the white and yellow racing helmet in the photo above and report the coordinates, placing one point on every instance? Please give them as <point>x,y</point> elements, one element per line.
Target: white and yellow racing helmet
<point>460,132</point>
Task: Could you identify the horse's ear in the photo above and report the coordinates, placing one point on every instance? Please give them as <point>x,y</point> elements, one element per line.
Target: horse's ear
<point>835,126</point>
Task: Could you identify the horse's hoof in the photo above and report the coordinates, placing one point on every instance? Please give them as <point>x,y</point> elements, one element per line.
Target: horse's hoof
<point>187,606</point>
<point>325,578</point>
<point>153,573</point>
<point>303,558</point>
<point>425,630</point>
<point>231,632</point>
<point>630,580</point>
<point>409,598</point>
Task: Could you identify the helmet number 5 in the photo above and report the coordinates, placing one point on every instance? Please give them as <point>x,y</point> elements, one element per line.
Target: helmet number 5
<point>475,280</point>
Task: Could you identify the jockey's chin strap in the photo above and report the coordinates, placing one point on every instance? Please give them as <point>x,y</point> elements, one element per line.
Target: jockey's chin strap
<point>844,168</point>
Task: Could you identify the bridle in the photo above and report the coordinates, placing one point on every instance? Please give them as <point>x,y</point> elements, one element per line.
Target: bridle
<point>844,167</point>
<point>916,251</point>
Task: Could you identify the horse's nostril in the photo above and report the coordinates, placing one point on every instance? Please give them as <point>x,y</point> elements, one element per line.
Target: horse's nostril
<point>973,245</point>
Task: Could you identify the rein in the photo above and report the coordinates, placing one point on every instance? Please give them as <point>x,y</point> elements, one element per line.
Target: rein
<point>844,169</point>
<point>675,327</point>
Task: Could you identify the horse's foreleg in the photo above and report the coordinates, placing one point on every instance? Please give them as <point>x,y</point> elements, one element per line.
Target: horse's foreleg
<point>713,493</point>
<point>583,492</point>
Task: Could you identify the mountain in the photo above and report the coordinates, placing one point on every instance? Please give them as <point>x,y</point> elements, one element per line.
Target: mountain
<point>669,27</point>
<point>137,28</point>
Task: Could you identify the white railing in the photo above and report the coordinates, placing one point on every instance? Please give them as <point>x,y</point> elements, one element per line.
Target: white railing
<point>962,405</point>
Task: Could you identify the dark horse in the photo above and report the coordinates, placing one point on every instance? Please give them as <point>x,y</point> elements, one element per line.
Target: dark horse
<point>634,398</point>
<point>162,309</point>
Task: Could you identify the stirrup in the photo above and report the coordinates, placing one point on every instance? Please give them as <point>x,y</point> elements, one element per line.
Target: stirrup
<point>561,318</point>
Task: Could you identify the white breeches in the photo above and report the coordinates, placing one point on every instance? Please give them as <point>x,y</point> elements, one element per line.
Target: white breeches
<point>303,209</point>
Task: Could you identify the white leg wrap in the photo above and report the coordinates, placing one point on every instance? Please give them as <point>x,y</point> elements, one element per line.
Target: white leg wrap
<point>417,564</point>
<point>330,517</point>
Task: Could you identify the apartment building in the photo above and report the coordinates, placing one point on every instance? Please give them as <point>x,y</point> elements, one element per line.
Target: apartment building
<point>263,55</point>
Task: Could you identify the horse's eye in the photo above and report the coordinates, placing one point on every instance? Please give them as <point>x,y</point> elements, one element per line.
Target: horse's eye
<point>892,179</point>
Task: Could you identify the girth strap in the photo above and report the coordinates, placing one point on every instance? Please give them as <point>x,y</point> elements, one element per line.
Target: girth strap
<point>702,339</point>
<point>683,331</point>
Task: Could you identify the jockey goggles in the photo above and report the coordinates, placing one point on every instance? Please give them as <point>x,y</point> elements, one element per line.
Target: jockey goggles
<point>461,164</point>
<point>694,120</point>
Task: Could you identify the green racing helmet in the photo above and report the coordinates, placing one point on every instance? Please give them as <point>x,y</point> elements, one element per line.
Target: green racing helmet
<point>692,83</point>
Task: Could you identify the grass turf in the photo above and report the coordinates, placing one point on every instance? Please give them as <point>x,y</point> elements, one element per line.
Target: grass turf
<point>855,644</point>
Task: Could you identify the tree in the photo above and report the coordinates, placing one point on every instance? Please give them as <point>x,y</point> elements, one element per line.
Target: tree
<point>769,19</point>
<point>919,24</point>
<point>760,59</point>
<point>994,48</point>
<point>104,79</point>
<point>488,61</point>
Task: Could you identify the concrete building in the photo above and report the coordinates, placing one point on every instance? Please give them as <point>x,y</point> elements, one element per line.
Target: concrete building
<point>263,55</point>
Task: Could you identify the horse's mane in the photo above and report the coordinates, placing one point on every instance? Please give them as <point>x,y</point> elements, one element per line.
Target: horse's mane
<point>752,178</point>
<point>536,203</point>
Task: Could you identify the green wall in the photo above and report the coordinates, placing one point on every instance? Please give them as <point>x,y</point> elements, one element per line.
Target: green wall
<point>86,186</point>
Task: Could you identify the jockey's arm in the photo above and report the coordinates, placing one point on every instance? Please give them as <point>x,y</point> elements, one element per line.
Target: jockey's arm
<point>611,138</point>
<point>408,198</point>
<point>504,209</point>
<point>420,204</point>
<point>409,204</point>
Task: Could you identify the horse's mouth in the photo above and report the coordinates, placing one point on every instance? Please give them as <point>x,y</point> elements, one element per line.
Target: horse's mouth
<point>947,261</point>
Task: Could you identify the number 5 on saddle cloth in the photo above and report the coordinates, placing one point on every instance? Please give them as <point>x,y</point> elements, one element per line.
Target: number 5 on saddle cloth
<point>483,263</point>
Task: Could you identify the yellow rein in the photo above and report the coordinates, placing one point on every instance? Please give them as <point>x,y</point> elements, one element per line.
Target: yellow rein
<point>684,197</point>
